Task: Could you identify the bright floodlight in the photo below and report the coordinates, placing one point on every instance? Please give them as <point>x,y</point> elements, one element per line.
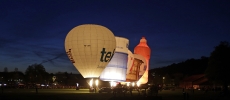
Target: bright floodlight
<point>91,83</point>
<point>133,84</point>
<point>96,82</point>
<point>112,84</point>
<point>128,84</point>
<point>138,84</point>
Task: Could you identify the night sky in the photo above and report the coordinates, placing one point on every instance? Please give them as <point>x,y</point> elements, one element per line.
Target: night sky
<point>34,31</point>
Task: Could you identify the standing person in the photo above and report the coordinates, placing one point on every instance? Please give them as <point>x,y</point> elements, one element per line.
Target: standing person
<point>156,90</point>
<point>114,91</point>
<point>36,89</point>
<point>152,90</point>
<point>193,90</point>
<point>130,90</point>
<point>2,88</point>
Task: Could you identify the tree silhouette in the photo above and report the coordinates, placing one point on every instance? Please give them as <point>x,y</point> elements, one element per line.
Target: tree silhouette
<point>5,69</point>
<point>36,73</point>
<point>218,65</point>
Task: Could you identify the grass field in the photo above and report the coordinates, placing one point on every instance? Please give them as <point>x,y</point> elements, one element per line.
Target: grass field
<point>83,94</point>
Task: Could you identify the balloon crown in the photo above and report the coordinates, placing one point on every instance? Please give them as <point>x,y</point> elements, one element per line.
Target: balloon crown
<point>143,39</point>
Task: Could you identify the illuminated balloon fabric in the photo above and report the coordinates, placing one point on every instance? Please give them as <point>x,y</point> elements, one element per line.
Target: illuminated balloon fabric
<point>117,67</point>
<point>114,71</point>
<point>90,48</point>
<point>130,61</point>
<point>133,74</point>
<point>144,77</point>
<point>136,72</point>
<point>129,65</point>
<point>143,67</point>
<point>143,49</point>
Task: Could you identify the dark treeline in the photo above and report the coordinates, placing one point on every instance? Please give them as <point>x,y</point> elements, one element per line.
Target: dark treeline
<point>215,68</point>
<point>173,74</point>
<point>189,67</point>
<point>36,74</point>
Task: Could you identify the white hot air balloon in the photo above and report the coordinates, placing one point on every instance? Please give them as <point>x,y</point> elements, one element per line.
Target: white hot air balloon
<point>115,71</point>
<point>90,48</point>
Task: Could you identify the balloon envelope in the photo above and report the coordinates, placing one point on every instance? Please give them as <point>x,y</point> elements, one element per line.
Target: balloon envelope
<point>90,48</point>
<point>116,69</point>
<point>143,49</point>
<point>143,68</point>
<point>130,61</point>
<point>133,74</point>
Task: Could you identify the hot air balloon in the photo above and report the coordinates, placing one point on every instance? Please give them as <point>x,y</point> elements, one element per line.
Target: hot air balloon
<point>143,68</point>
<point>130,61</point>
<point>136,67</point>
<point>134,71</point>
<point>129,65</point>
<point>143,49</point>
<point>115,71</point>
<point>90,48</point>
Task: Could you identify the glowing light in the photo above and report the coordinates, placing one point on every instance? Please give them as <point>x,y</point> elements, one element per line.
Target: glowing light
<point>128,83</point>
<point>133,84</point>
<point>113,84</point>
<point>96,82</point>
<point>91,83</point>
<point>138,84</point>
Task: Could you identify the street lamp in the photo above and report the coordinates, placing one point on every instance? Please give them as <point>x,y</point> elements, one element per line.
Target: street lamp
<point>163,80</point>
